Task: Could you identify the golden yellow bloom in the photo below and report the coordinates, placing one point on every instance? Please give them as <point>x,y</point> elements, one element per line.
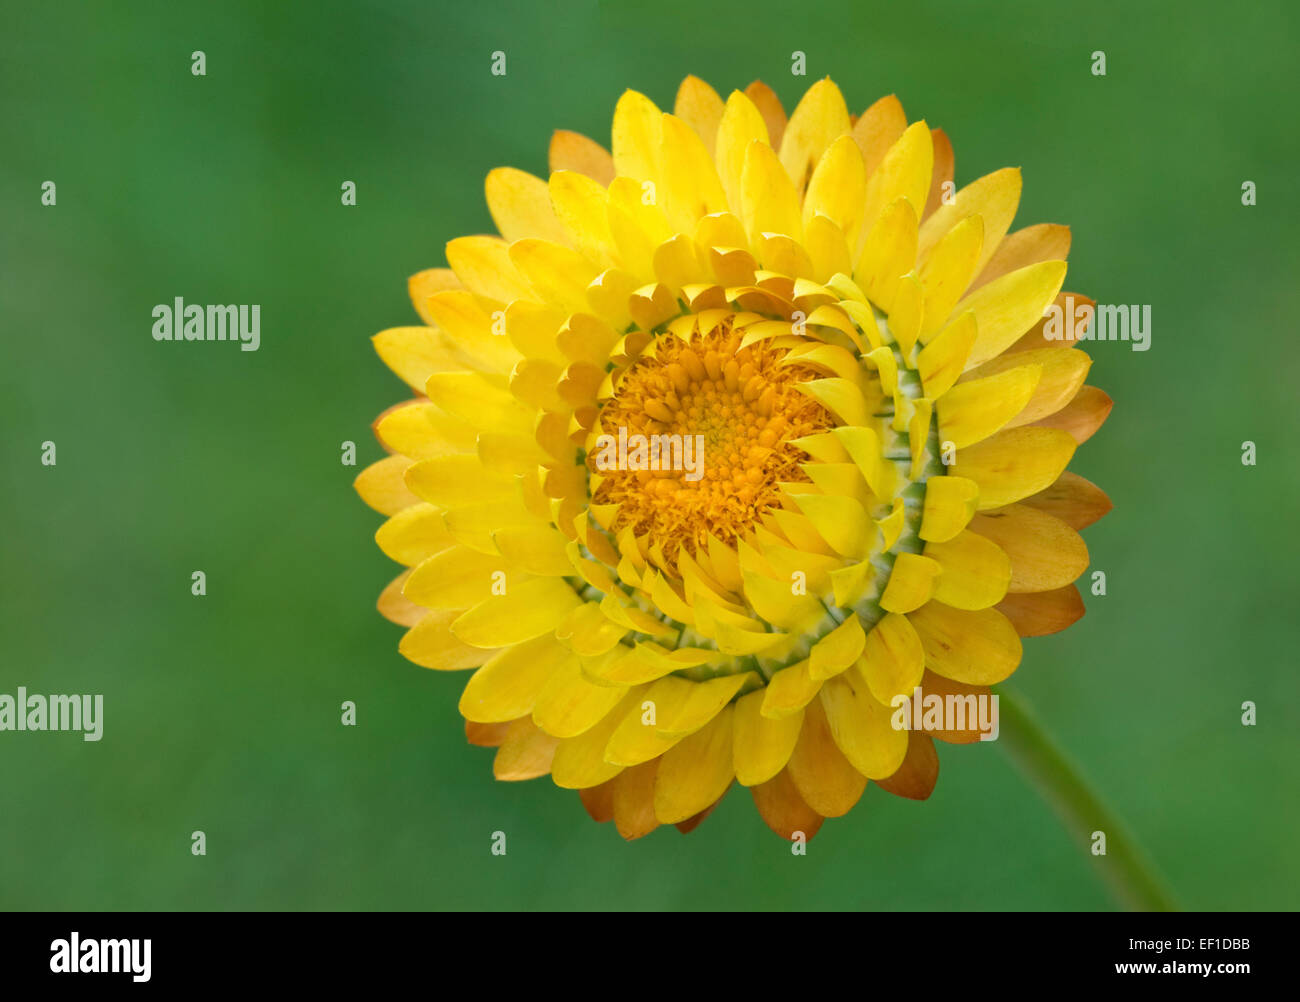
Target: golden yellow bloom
<point>728,440</point>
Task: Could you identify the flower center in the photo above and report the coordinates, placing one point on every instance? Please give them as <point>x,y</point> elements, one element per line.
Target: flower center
<point>698,438</point>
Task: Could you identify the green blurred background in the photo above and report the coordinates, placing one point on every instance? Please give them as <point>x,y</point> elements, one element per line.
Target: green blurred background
<point>222,713</point>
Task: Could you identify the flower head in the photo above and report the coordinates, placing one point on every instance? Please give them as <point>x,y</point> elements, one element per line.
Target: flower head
<point>732,441</point>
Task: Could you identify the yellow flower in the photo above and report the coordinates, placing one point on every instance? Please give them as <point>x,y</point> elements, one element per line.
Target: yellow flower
<point>858,486</point>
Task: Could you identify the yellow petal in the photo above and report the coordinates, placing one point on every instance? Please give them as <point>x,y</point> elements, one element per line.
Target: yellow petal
<point>941,179</point>
<point>1042,242</point>
<point>976,571</point>
<point>904,173</point>
<point>521,206</point>
<point>948,271</point>
<point>781,254</point>
<point>457,578</point>
<point>774,601</point>
<point>588,632</point>
<point>1063,373</point>
<point>737,640</point>
<point>676,263</point>
<point>741,125</point>
<point>582,207</point>
<point>569,705</point>
<point>941,362</point>
<point>799,530</point>
<point>826,780</point>
<point>599,800</point>
<point>694,821</point>
<point>783,809</point>
<point>994,197</point>
<point>905,313</point>
<point>788,691</point>
<point>583,338</point>
<point>978,648</point>
<point>1075,501</point>
<point>424,284</point>
<point>893,660</point>
<point>486,735</point>
<point>527,610</point>
<point>700,107</point>
<point>1036,614</point>
<point>473,525</point>
<point>816,122</point>
<point>421,431</point>
<point>889,254</point>
<point>841,397</point>
<point>414,534</point>
<point>574,151</point>
<point>507,685</point>
<point>769,106</point>
<point>483,264</point>
<point>769,202</point>
<point>862,728</point>
<point>637,137</point>
<point>852,583</point>
<point>1007,307</point>
<point>526,753</point>
<point>382,485</point>
<point>863,446</point>
<point>534,549</point>
<point>1082,416</point>
<point>702,704</point>
<point>841,521</point>
<point>475,400</point>
<point>634,800</point>
<point>878,129</point>
<point>839,478</point>
<point>414,353</point>
<point>696,772</point>
<point>911,583</point>
<point>1045,553</point>
<point>430,644</point>
<point>394,607</point>
<point>473,330</point>
<point>1015,463</point>
<point>837,650</point>
<point>970,412</point>
<point>457,480</point>
<point>1069,326</point>
<point>639,665</point>
<point>638,226</point>
<point>510,454</point>
<point>919,772</point>
<point>949,504</point>
<point>635,737</point>
<point>691,185</point>
<point>558,274</point>
<point>632,618</point>
<point>828,249</point>
<point>580,762</point>
<point>762,745</point>
<point>838,187</point>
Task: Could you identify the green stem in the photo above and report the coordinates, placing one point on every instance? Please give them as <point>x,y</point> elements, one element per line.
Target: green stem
<point>1126,868</point>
